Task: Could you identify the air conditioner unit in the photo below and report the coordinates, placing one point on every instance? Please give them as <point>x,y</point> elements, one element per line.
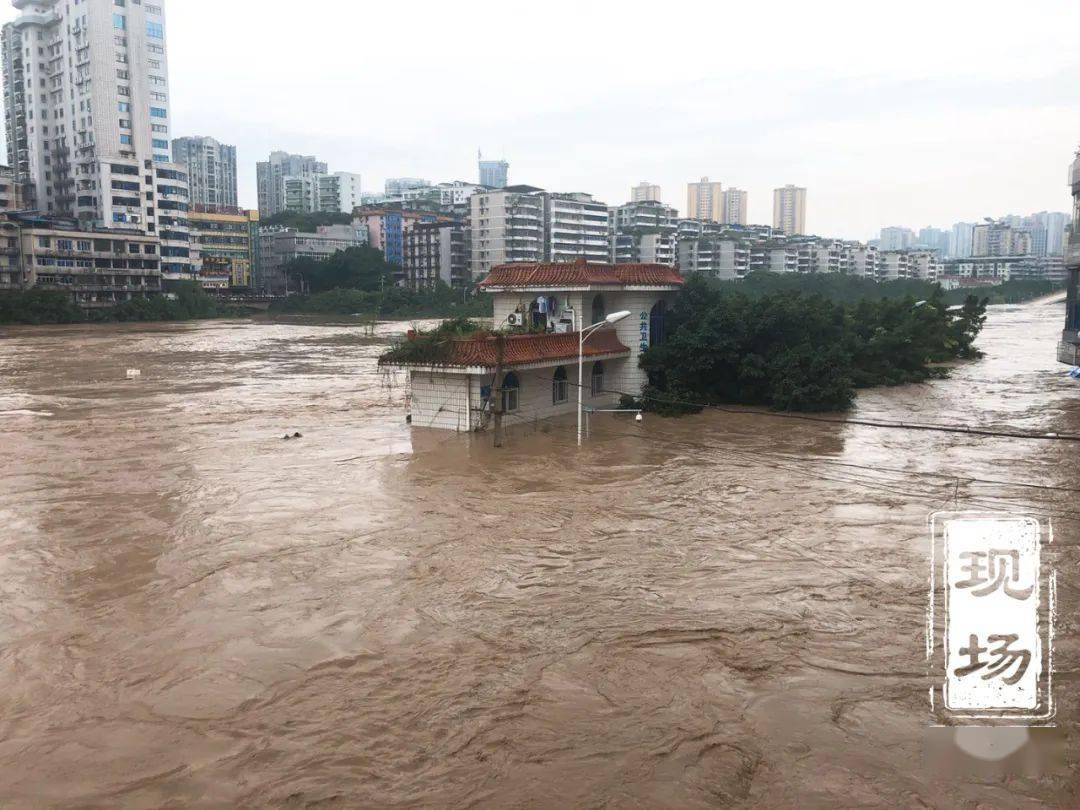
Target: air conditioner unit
<point>516,319</point>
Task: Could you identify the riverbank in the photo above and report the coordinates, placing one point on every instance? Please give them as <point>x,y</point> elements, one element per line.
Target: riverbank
<point>393,302</point>
<point>185,301</point>
<point>191,303</point>
<point>846,289</point>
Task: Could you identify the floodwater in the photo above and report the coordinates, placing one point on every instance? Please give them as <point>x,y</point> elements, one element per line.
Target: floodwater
<point>712,611</point>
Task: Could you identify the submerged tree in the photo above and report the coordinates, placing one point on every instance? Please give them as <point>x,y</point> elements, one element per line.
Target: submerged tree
<point>799,352</point>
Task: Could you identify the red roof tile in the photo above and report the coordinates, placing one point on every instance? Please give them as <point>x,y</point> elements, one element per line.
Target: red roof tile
<point>580,273</point>
<point>523,350</point>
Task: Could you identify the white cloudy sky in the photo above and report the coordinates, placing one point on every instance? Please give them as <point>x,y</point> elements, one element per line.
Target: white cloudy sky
<point>909,113</point>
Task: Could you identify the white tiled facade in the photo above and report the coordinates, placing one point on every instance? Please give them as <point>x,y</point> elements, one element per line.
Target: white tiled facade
<point>438,399</point>
<point>211,168</point>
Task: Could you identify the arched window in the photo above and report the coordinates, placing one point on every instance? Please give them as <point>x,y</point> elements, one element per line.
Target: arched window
<point>656,323</point>
<point>599,311</point>
<point>597,378</point>
<point>511,388</point>
<point>559,386</point>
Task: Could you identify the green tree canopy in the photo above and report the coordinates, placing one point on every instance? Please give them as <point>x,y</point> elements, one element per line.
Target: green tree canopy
<point>306,222</point>
<point>358,268</point>
<point>793,351</point>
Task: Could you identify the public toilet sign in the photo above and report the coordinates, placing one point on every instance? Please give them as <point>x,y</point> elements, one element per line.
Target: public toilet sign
<point>990,622</point>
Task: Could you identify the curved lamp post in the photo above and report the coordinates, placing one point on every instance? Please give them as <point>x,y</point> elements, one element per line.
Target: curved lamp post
<point>613,318</point>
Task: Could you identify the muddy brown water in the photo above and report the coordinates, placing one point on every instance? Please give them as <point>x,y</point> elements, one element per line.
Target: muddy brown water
<point>702,612</point>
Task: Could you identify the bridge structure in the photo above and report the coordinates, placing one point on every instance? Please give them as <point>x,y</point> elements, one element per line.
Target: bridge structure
<point>256,302</point>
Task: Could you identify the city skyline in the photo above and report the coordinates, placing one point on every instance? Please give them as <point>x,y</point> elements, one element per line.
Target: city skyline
<point>985,139</point>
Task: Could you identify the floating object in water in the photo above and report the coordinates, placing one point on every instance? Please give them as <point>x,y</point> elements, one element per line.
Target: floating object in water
<point>1074,372</point>
<point>297,435</point>
<point>639,418</point>
<point>23,412</point>
<point>132,373</point>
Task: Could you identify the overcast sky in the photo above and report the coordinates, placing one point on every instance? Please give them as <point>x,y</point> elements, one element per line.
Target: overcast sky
<point>910,113</point>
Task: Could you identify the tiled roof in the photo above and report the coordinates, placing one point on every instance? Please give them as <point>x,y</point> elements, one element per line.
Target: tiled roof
<point>523,350</point>
<point>580,273</point>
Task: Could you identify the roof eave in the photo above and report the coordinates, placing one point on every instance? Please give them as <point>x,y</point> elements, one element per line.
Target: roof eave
<point>581,288</point>
<point>451,369</point>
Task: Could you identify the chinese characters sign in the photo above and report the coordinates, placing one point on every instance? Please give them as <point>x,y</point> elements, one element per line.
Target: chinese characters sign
<point>993,639</point>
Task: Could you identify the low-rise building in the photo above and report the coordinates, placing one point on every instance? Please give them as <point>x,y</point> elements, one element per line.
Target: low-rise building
<point>97,267</point>
<point>226,245</point>
<point>279,246</point>
<point>10,191</point>
<point>531,371</point>
<point>1003,268</point>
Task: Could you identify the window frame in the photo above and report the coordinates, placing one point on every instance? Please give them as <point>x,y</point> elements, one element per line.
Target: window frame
<point>560,387</point>
<point>510,393</point>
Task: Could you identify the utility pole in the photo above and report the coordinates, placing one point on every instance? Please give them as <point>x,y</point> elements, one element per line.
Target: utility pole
<point>498,391</point>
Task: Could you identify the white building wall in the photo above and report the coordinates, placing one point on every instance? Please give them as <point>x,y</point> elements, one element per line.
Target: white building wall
<point>535,397</point>
<point>439,400</point>
<point>629,378</point>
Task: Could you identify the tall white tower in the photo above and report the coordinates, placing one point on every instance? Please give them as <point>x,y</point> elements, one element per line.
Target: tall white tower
<point>87,113</point>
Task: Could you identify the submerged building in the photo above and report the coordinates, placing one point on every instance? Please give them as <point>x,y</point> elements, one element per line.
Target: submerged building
<point>528,368</point>
<point>1069,348</point>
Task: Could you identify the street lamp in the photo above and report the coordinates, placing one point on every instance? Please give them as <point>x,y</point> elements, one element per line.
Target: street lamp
<point>613,318</point>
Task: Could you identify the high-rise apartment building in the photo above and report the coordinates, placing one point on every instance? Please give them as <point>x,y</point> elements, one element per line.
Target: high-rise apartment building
<point>335,193</point>
<point>960,240</point>
<point>733,206</point>
<point>339,192</point>
<point>506,226</point>
<point>789,210</point>
<point>575,227</point>
<point>397,187</point>
<point>272,174</point>
<point>386,227</point>
<point>934,239</point>
<point>645,192</point>
<point>644,232</point>
<point>87,114</point>
<point>896,238</point>
<point>704,201</point>
<point>433,252</point>
<point>211,169</point>
<point>1047,232</point>
<point>494,173</point>
<point>1000,239</point>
